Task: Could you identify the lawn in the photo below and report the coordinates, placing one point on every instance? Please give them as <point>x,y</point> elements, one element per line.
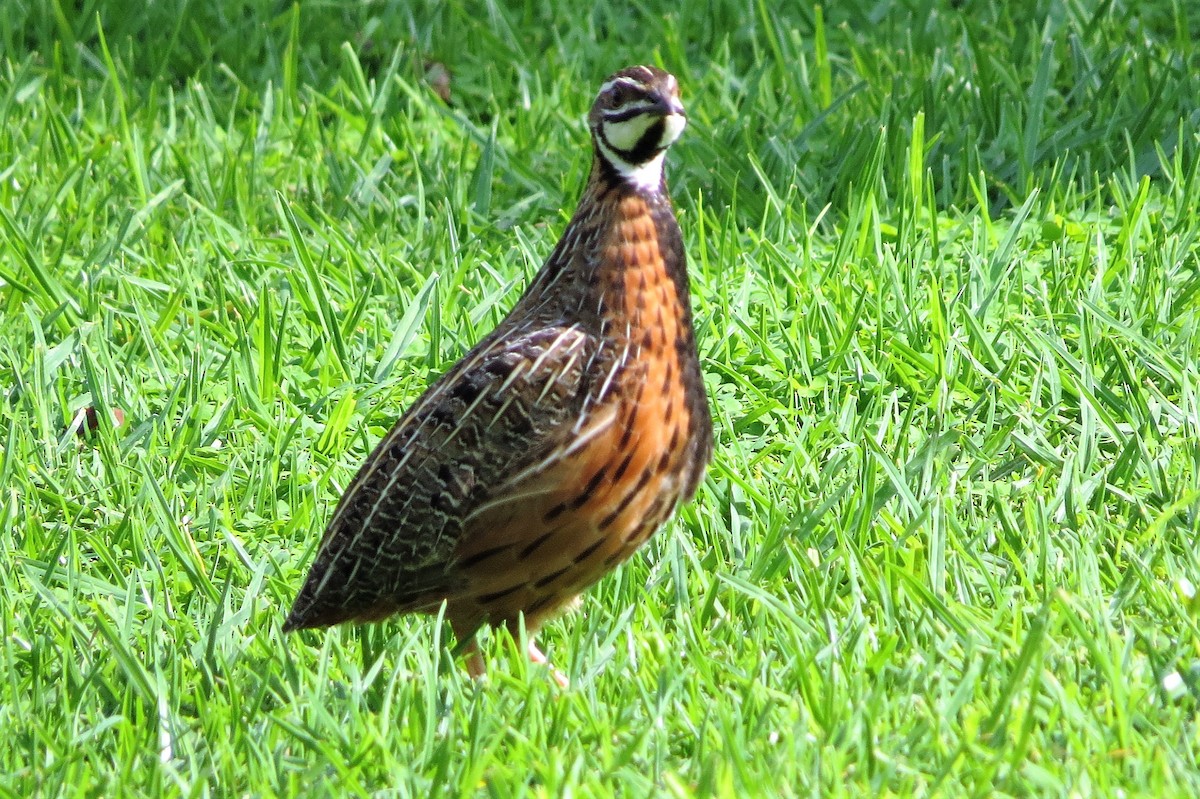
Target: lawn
<point>945,262</point>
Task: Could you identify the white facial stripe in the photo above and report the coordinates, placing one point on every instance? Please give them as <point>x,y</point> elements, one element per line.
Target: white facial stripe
<point>673,125</point>
<point>645,176</point>
<point>630,107</point>
<point>625,81</point>
<point>626,134</point>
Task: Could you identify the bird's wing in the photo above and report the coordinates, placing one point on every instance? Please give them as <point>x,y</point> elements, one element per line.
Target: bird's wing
<point>506,408</point>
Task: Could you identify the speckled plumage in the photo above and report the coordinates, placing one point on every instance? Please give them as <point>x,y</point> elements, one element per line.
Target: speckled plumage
<point>560,442</point>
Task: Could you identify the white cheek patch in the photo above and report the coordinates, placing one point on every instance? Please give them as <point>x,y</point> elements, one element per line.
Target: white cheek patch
<point>626,134</point>
<point>673,125</point>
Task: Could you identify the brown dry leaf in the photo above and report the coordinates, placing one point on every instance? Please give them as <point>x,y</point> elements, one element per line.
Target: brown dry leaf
<point>437,75</point>
<point>91,420</point>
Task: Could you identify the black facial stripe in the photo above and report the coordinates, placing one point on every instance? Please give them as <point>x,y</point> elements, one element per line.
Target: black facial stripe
<point>647,146</point>
<point>622,116</point>
<point>624,155</point>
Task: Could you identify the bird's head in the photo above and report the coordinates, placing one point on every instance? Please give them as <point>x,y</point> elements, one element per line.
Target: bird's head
<point>636,117</point>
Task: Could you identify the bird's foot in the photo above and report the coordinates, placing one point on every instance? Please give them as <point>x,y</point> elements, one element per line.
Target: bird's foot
<point>539,657</point>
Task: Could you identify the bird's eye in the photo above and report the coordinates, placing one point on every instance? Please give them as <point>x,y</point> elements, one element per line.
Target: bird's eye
<point>617,97</point>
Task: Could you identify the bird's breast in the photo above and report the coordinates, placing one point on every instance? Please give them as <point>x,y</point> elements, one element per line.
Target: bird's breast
<point>637,449</point>
<point>661,412</point>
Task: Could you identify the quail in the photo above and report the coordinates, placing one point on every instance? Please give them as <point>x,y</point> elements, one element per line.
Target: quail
<point>557,445</point>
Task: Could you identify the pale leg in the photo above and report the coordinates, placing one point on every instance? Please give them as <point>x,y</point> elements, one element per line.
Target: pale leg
<point>475,666</point>
<point>537,656</point>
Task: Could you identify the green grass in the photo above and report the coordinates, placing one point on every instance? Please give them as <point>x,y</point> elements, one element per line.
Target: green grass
<point>946,270</point>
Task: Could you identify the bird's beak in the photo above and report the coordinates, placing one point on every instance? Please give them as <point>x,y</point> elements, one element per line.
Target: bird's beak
<point>666,106</point>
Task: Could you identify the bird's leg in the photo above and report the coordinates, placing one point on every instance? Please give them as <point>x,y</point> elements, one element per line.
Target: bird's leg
<point>537,656</point>
<point>475,665</point>
<point>468,647</point>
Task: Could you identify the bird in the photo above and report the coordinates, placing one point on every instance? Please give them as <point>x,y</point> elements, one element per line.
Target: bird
<point>562,440</point>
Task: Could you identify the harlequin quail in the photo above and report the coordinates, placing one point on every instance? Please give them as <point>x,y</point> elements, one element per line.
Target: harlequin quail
<point>563,440</point>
